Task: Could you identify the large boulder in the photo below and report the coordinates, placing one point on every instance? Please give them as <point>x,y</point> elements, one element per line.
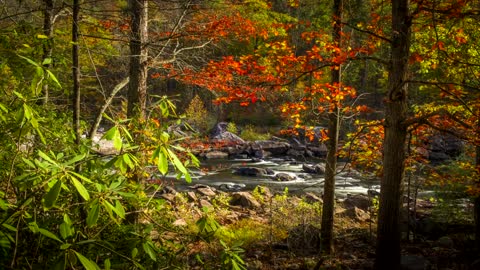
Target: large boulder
<point>314,169</point>
<point>244,199</point>
<point>283,177</point>
<point>358,200</point>
<point>271,146</point>
<point>216,155</point>
<point>443,147</point>
<point>252,171</point>
<point>220,133</point>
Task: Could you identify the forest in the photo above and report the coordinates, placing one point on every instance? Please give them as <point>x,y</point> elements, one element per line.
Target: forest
<point>239,134</point>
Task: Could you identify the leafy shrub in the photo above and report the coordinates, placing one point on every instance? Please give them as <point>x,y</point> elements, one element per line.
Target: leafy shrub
<point>198,116</point>
<point>250,133</point>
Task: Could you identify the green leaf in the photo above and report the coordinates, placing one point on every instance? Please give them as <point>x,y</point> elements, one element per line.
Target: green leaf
<point>110,133</point>
<point>29,163</point>
<point>119,209</point>
<point>47,61</point>
<point>80,188</point>
<point>93,214</point>
<point>162,163</point>
<point>107,264</point>
<point>40,36</point>
<point>127,160</point>
<point>75,159</point>
<point>87,263</point>
<point>134,252</point>
<point>164,108</point>
<point>66,230</point>
<point>119,212</point>
<point>49,234</point>
<point>9,227</point>
<point>178,164</point>
<point>29,61</point>
<point>148,248</point>
<point>51,197</point>
<point>46,157</point>
<point>53,78</point>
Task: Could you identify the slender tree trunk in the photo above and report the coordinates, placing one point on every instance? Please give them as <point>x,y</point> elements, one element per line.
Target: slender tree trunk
<point>76,72</point>
<point>332,144</point>
<point>47,46</point>
<point>388,232</point>
<point>477,199</point>
<point>137,88</point>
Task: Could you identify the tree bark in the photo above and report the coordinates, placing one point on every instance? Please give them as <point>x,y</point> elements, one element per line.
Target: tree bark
<point>137,88</point>
<point>327,235</point>
<point>47,46</point>
<point>476,207</point>
<point>388,231</point>
<point>76,72</point>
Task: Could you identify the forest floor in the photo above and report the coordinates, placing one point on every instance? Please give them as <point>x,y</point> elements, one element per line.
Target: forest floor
<point>281,232</point>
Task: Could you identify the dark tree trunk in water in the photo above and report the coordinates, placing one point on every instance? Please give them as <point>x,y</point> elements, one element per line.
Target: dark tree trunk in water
<point>137,88</point>
<point>388,232</point>
<point>333,129</point>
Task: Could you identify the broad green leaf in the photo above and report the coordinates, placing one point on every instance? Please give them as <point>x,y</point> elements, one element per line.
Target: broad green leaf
<point>80,176</point>
<point>164,108</point>
<point>49,234</point>
<point>65,246</point>
<point>9,227</point>
<point>147,247</point>
<point>46,157</point>
<point>47,61</point>
<point>178,164</point>
<point>41,36</point>
<point>29,61</point>
<point>107,264</point>
<point>128,161</point>
<point>134,253</point>
<point>93,214</point>
<point>164,137</point>
<point>29,163</point>
<point>87,263</point>
<point>162,163</point>
<point>110,133</point>
<point>74,160</point>
<point>52,195</point>
<point>80,188</point>
<point>120,210</point>
<point>53,78</point>
<point>66,230</point>
<point>120,213</point>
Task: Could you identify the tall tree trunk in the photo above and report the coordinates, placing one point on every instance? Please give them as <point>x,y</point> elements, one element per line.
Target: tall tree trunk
<point>47,46</point>
<point>332,145</point>
<point>137,88</point>
<point>476,210</point>
<point>388,232</point>
<point>76,71</point>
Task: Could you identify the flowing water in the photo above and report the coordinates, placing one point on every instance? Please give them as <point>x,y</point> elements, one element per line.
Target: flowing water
<point>220,174</point>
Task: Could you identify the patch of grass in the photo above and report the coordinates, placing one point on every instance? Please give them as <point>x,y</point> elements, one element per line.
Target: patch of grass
<point>251,133</point>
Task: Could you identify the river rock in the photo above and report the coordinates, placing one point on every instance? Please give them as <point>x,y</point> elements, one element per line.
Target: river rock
<point>283,177</point>
<point>231,187</point>
<point>207,191</point>
<point>304,238</point>
<point>358,200</point>
<point>244,199</point>
<point>220,133</point>
<point>312,198</point>
<point>216,155</point>
<point>274,147</point>
<point>355,213</point>
<point>442,147</point>
<point>414,262</point>
<point>314,169</point>
<point>251,171</point>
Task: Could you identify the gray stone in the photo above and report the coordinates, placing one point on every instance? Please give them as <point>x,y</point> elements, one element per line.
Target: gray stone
<point>216,155</point>
<point>358,200</point>
<point>207,191</point>
<point>312,198</point>
<point>250,171</point>
<point>283,177</point>
<point>244,199</point>
<point>414,262</point>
